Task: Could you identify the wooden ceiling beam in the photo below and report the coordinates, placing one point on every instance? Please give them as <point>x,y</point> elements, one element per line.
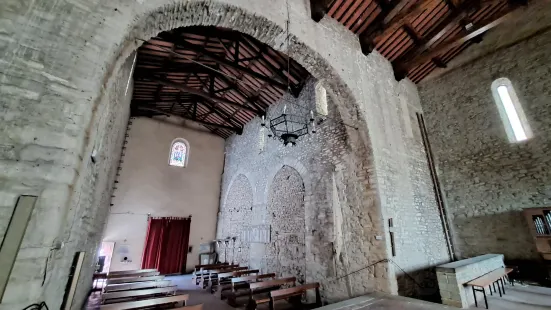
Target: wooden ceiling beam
<point>184,44</point>
<point>221,113</point>
<point>238,130</point>
<point>447,45</point>
<point>318,9</point>
<point>390,21</point>
<point>202,94</point>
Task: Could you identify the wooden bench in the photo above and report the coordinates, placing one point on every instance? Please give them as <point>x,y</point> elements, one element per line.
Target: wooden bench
<point>147,303</point>
<point>265,287</point>
<point>206,271</point>
<point>196,307</point>
<point>114,296</point>
<point>135,286</point>
<point>130,271</point>
<point>225,278</point>
<point>134,279</point>
<point>492,278</point>
<point>230,291</point>
<point>138,273</point>
<point>213,274</point>
<point>294,295</point>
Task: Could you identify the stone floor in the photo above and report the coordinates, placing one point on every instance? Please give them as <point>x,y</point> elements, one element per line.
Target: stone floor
<point>519,297</point>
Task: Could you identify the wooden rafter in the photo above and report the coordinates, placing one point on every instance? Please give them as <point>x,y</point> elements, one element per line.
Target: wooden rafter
<point>454,42</point>
<point>238,130</point>
<point>202,94</point>
<point>224,78</point>
<point>406,30</point>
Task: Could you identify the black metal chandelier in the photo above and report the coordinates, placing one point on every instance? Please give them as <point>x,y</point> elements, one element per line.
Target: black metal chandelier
<point>289,127</point>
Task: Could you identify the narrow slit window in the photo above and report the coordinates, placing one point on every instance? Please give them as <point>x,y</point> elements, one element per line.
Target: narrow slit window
<point>510,111</point>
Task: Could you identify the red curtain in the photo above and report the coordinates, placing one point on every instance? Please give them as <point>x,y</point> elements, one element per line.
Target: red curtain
<point>166,244</point>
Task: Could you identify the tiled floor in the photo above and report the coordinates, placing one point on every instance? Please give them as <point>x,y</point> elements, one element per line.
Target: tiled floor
<point>519,297</point>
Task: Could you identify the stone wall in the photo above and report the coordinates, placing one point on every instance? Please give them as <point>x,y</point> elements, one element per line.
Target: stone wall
<point>148,186</point>
<point>487,180</point>
<point>58,61</point>
<point>67,181</point>
<point>336,230</point>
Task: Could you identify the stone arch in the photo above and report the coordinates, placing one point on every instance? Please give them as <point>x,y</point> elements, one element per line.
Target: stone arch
<point>164,15</point>
<point>297,166</point>
<point>234,214</point>
<point>286,252</point>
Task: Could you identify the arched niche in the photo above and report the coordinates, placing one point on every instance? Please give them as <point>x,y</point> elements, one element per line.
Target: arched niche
<point>286,252</point>
<point>234,216</point>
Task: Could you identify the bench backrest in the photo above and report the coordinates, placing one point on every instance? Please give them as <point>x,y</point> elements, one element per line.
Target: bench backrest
<point>271,283</point>
<point>145,303</point>
<point>135,285</point>
<point>229,269</point>
<point>137,293</point>
<point>293,291</point>
<point>253,278</point>
<point>130,271</point>
<point>134,279</point>
<point>196,307</point>
<point>137,274</point>
<point>215,267</point>
<point>244,272</point>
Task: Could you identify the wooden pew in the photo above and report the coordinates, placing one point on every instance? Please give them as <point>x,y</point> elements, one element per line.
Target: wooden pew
<point>138,273</point>
<point>224,279</point>
<point>259,290</point>
<point>134,279</point>
<point>213,274</point>
<point>135,286</point>
<point>130,271</point>
<point>147,303</point>
<point>205,271</point>
<point>196,307</point>
<point>294,295</point>
<point>240,287</point>
<point>116,296</point>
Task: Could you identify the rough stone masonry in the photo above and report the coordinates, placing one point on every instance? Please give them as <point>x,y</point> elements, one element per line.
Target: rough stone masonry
<point>488,180</point>
<point>60,61</point>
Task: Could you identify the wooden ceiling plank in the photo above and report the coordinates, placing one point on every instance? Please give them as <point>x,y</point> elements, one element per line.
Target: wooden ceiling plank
<point>223,61</point>
<point>393,21</point>
<point>234,129</point>
<point>454,42</point>
<point>201,93</point>
<point>368,15</point>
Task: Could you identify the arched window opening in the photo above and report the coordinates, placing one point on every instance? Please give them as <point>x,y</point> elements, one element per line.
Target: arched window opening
<point>510,110</point>
<point>179,153</point>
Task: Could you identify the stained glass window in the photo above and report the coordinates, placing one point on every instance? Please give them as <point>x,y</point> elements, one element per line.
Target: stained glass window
<point>178,154</point>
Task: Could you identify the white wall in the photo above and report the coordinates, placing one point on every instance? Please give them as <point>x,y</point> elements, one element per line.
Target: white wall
<point>147,184</point>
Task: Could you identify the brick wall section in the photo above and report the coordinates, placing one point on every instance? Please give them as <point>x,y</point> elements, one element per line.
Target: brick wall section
<point>487,180</point>
<point>58,62</point>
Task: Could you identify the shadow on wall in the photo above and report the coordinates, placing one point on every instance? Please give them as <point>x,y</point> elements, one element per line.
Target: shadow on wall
<point>501,233</point>
<point>491,233</point>
<point>421,284</point>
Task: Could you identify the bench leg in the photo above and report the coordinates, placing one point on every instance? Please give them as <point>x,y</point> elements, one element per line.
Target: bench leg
<point>499,288</point>
<point>475,301</point>
<point>485,299</point>
<point>502,286</point>
<point>490,287</point>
